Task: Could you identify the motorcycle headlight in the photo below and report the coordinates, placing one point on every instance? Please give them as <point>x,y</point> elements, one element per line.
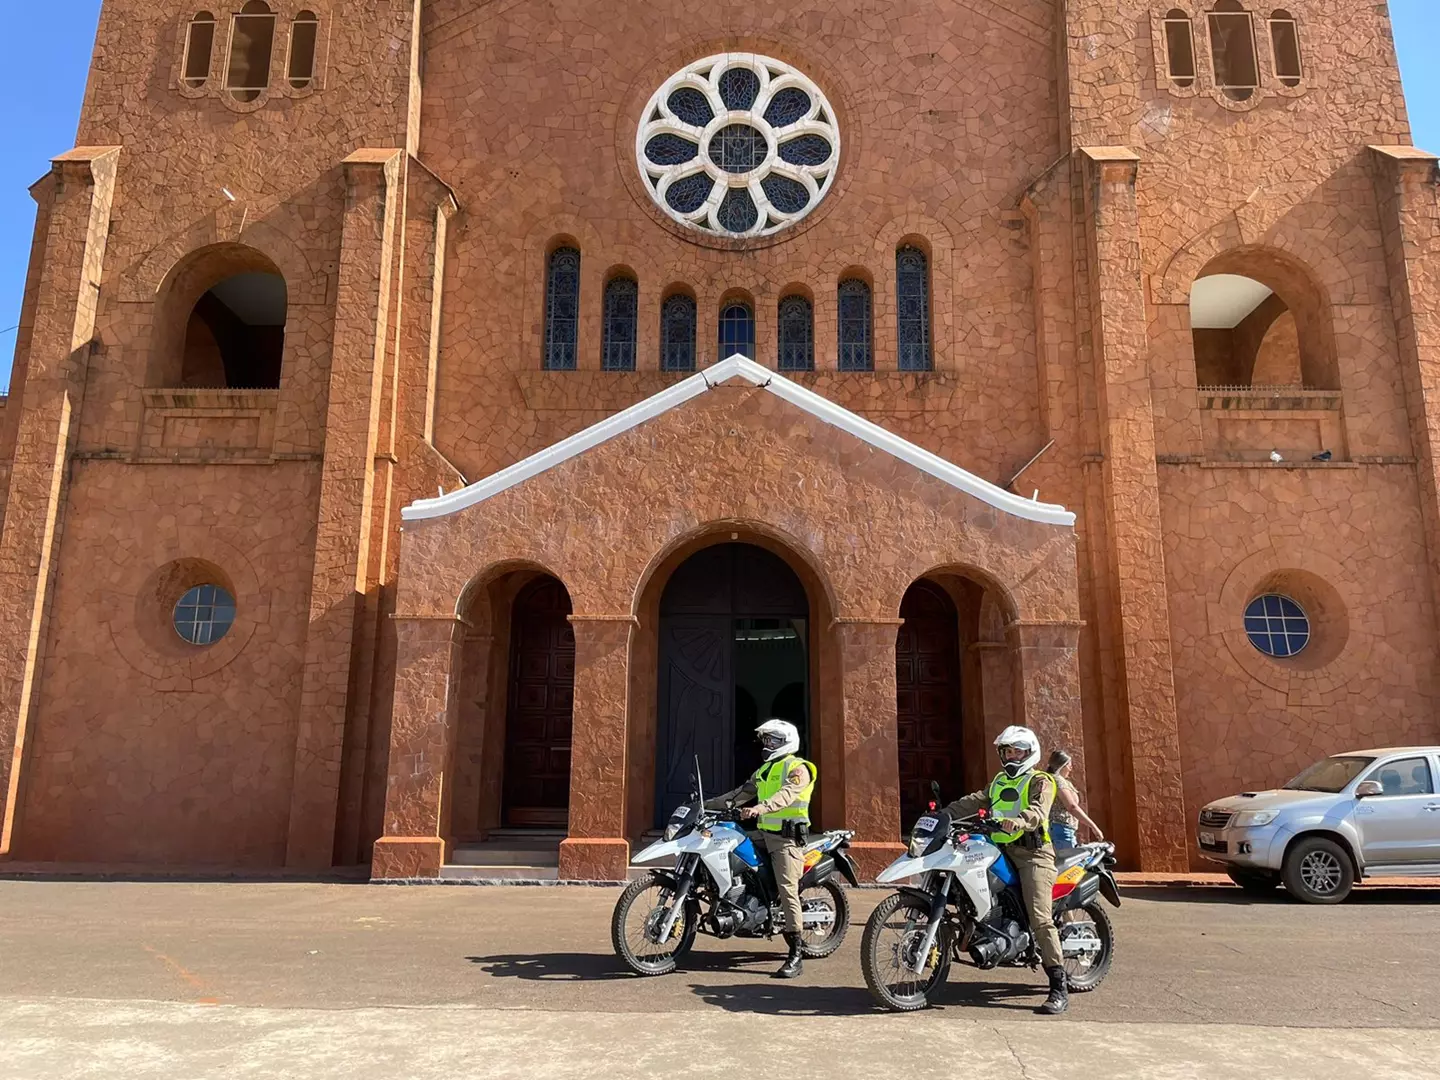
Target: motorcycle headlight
<point>918,844</point>
<point>671,830</point>
<point>1253,819</point>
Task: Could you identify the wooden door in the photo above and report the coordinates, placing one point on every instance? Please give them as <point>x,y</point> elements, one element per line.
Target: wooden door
<point>927,684</point>
<point>539,710</point>
<point>696,705</point>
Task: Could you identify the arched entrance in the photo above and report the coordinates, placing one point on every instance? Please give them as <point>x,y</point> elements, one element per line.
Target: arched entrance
<point>539,706</point>
<point>734,647</point>
<point>927,698</point>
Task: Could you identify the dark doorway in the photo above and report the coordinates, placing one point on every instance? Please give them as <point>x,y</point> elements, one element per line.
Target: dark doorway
<point>734,651</point>
<point>539,709</point>
<point>927,690</point>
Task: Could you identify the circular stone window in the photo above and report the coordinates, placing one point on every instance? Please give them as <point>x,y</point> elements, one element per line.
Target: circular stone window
<point>1277,625</point>
<point>204,614</point>
<point>738,145</point>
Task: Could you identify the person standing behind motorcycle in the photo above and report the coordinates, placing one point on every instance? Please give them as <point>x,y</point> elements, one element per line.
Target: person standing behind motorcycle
<point>1067,813</point>
<point>1019,800</point>
<point>783,787</point>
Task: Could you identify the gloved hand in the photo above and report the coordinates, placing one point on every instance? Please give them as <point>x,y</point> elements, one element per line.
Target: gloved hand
<point>1007,825</point>
<point>750,813</point>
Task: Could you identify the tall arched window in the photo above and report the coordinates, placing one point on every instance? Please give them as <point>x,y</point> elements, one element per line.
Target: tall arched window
<point>617,347</point>
<point>912,304</point>
<point>562,309</point>
<point>1232,50</point>
<point>1285,48</point>
<point>797,334</point>
<point>737,330</point>
<point>677,334</point>
<point>252,40</point>
<point>1180,48</point>
<point>304,33</point>
<point>856,352</point>
<point>199,49</point>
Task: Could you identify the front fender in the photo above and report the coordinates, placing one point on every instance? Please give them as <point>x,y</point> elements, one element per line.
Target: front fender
<point>903,867</point>
<point>658,850</point>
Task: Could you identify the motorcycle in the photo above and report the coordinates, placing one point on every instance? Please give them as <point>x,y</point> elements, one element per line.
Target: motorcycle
<point>968,902</point>
<point>722,884</point>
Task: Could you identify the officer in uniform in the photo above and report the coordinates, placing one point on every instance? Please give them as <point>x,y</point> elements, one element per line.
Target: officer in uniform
<point>780,793</point>
<point>1019,801</point>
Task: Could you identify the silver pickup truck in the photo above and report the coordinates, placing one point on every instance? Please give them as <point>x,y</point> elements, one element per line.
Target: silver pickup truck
<point>1370,813</point>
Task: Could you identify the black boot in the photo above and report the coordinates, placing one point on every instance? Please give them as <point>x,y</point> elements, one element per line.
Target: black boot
<point>1059,999</point>
<point>792,966</point>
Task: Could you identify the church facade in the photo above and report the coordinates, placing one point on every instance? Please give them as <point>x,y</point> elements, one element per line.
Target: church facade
<point>446,424</point>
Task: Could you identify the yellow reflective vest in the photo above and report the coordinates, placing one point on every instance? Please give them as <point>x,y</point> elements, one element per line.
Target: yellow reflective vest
<point>770,778</point>
<point>1009,798</point>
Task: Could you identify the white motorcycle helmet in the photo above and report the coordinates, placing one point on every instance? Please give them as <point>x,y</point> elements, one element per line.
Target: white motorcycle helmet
<point>1021,738</point>
<point>780,738</point>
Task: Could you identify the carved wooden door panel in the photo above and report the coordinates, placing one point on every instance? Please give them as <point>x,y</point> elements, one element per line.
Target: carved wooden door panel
<point>696,708</point>
<point>927,683</point>
<point>539,710</point>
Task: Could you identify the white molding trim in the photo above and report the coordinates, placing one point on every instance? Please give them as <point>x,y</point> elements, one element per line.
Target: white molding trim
<point>738,367</point>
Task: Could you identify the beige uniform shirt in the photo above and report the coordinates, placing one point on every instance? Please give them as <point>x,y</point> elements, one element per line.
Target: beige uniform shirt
<point>791,790</point>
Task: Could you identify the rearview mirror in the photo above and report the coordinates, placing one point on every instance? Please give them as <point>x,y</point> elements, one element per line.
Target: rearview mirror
<point>1366,788</point>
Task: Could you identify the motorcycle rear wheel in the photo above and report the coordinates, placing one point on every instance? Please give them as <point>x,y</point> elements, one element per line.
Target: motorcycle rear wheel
<point>829,897</point>
<point>630,936</point>
<point>1081,973</point>
<point>895,928</point>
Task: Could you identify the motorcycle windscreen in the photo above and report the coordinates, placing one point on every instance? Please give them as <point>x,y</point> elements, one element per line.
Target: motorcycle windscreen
<point>931,832</point>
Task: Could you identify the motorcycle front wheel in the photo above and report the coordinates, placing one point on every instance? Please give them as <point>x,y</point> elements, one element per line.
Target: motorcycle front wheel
<point>826,911</point>
<point>895,932</point>
<point>634,928</point>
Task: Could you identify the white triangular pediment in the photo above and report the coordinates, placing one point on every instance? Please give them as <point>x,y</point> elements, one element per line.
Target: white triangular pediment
<point>739,367</point>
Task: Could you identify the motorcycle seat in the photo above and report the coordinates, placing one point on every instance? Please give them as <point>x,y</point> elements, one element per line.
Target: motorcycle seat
<point>1069,857</point>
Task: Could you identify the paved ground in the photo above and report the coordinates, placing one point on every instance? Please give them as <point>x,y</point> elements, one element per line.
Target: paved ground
<point>126,980</point>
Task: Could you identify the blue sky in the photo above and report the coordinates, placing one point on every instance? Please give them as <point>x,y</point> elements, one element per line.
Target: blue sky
<point>41,50</point>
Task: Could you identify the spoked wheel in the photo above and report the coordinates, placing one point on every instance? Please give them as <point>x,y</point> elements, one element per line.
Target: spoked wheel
<point>640,916</point>
<point>1087,939</point>
<point>892,940</point>
<point>826,911</point>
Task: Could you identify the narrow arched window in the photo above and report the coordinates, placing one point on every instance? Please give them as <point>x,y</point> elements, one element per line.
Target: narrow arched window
<point>677,334</point>
<point>562,309</point>
<point>304,33</point>
<point>912,304</point>
<point>1285,48</point>
<point>199,49</point>
<point>617,346</point>
<point>252,41</point>
<point>737,331</point>
<point>1232,50</point>
<point>1180,48</point>
<point>856,352</point>
<point>797,334</point>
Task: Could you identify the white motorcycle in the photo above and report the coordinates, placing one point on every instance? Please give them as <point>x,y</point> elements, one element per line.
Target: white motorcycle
<point>968,901</point>
<point>722,884</point>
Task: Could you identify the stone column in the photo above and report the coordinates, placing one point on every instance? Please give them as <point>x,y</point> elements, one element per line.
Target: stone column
<point>422,749</point>
<point>871,742</point>
<point>1047,687</point>
<point>1407,186</point>
<point>342,540</point>
<point>75,202</point>
<point>1120,347</point>
<point>596,848</point>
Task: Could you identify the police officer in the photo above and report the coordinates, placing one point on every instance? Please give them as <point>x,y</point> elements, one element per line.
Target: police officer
<point>1019,801</point>
<point>781,790</point>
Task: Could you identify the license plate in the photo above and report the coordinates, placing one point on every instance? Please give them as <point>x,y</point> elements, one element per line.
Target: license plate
<point>926,824</point>
<point>1207,838</point>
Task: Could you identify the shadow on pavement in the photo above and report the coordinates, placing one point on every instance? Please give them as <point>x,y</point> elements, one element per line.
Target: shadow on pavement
<point>776,998</point>
<point>1221,894</point>
<point>600,967</point>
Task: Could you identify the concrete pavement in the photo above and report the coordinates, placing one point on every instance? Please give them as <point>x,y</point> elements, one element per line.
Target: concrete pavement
<point>168,980</point>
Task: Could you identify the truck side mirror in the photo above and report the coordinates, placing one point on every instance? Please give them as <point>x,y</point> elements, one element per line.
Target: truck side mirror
<point>1366,788</point>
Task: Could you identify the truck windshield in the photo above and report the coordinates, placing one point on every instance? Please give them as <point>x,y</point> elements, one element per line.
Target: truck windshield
<point>1331,775</point>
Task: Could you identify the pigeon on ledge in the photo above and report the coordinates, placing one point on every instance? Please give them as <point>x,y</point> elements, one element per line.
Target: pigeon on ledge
<point>1324,455</point>
<point>1275,456</point>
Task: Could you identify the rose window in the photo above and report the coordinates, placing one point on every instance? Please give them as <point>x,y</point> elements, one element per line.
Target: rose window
<point>738,145</point>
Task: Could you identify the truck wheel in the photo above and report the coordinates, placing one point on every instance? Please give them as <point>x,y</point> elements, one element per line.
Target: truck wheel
<point>1255,882</point>
<point>1318,871</point>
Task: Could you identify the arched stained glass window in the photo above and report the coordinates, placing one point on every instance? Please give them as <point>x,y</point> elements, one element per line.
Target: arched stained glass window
<point>252,41</point>
<point>562,309</point>
<point>1285,47</point>
<point>797,334</point>
<point>677,334</point>
<point>737,331</point>
<point>856,353</point>
<point>199,49</point>
<point>618,345</point>
<point>912,302</point>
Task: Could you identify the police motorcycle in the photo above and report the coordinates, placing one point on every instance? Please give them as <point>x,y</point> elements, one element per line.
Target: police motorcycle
<point>722,884</point>
<point>968,902</point>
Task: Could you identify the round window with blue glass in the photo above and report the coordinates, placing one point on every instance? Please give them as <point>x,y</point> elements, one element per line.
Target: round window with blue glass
<point>204,614</point>
<point>1277,625</point>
